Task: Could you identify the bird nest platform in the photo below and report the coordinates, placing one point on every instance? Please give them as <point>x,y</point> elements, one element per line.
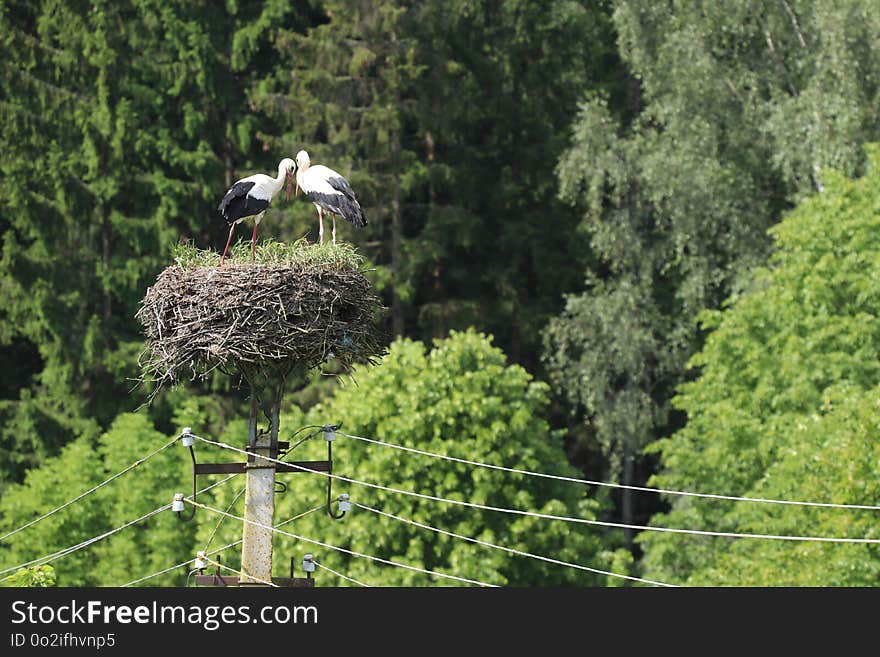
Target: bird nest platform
<point>295,307</point>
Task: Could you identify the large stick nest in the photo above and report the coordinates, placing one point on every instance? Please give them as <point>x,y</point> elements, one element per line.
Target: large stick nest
<point>258,319</point>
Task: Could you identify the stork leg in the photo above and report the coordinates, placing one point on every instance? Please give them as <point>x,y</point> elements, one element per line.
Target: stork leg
<point>223,257</point>
<point>254,237</point>
<point>320,225</point>
<point>334,230</point>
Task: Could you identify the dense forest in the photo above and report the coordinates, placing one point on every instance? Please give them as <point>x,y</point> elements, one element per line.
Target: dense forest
<point>630,241</point>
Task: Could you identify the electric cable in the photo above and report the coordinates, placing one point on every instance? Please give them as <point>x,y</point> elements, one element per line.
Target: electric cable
<point>340,575</point>
<point>521,553</point>
<point>592,482</point>
<point>549,516</point>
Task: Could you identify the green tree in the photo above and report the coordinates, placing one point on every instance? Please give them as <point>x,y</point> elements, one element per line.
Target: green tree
<point>460,393</point>
<point>741,108</point>
<point>121,123</point>
<point>35,577</point>
<point>156,543</point>
<point>785,406</point>
<point>493,246</point>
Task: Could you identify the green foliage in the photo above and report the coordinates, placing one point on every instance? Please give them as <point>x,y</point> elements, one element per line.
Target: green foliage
<point>119,122</point>
<point>462,399</point>
<point>156,543</point>
<point>742,108</point>
<point>123,122</point>
<point>502,84</point>
<point>602,354</point>
<point>786,406</point>
<point>507,154</point>
<point>35,576</point>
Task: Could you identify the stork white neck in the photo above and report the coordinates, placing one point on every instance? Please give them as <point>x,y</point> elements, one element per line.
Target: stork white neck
<point>283,168</point>
<point>282,172</point>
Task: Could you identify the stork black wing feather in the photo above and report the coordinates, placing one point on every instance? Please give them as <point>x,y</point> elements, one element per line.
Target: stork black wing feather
<point>349,207</point>
<point>340,204</point>
<point>237,204</point>
<point>238,190</point>
<point>340,184</point>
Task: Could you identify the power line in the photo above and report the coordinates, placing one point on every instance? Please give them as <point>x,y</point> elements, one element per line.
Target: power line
<point>69,550</point>
<point>340,549</point>
<point>79,546</point>
<point>340,575</point>
<point>166,570</point>
<point>548,516</point>
<point>302,440</point>
<point>521,553</point>
<point>216,550</point>
<point>220,522</point>
<point>646,489</point>
<point>90,491</point>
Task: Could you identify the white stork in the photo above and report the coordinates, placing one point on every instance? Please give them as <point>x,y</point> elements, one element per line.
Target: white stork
<point>329,191</point>
<point>249,197</point>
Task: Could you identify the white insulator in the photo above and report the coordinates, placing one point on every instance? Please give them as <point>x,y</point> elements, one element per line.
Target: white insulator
<point>329,435</point>
<point>308,563</point>
<point>188,440</point>
<point>201,561</point>
<point>344,502</point>
<point>177,505</point>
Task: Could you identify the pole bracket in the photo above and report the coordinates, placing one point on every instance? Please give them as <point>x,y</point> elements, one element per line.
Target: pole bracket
<point>232,580</point>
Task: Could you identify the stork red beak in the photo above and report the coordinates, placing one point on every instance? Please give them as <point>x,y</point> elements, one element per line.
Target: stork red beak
<point>289,180</point>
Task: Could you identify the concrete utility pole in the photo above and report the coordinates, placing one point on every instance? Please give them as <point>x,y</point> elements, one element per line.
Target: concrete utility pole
<point>259,503</point>
<point>259,506</point>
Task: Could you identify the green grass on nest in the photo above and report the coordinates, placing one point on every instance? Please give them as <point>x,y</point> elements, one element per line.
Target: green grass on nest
<point>299,255</point>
